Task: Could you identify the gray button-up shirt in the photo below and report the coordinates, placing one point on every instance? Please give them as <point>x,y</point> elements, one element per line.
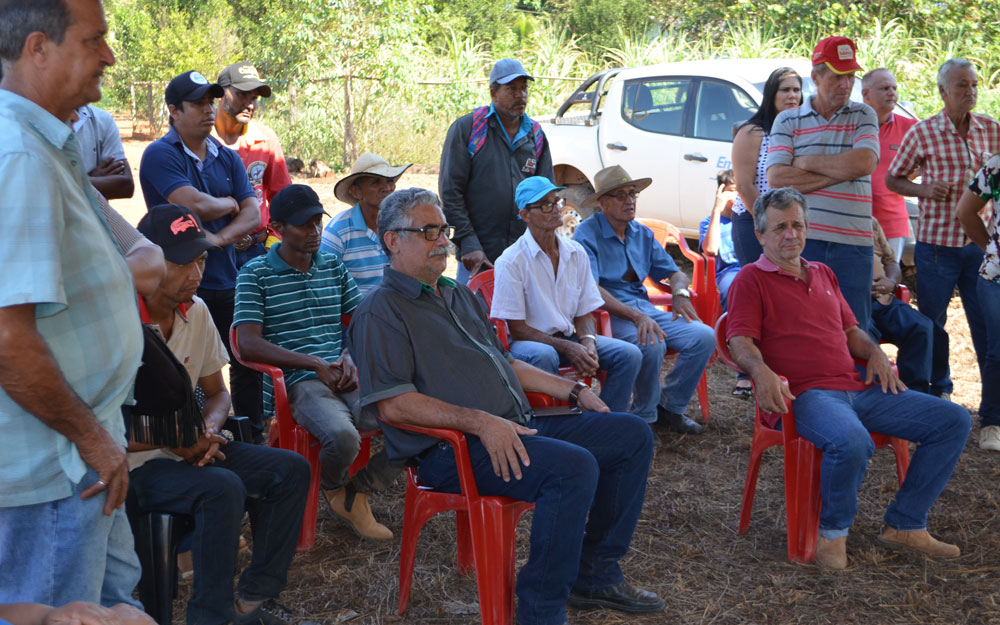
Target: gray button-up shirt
<point>405,338</point>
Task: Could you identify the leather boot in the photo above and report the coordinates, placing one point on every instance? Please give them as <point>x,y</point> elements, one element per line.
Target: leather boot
<point>357,513</point>
<point>832,554</point>
<point>918,540</point>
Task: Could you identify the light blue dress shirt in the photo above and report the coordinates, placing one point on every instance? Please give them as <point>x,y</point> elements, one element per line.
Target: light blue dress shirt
<point>58,254</point>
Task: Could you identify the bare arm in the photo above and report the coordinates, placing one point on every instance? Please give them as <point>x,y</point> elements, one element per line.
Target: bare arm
<point>254,347</point>
<point>713,239</point>
<point>862,346</point>
<point>245,222</point>
<point>779,176</point>
<point>534,380</point>
<point>746,149</point>
<point>682,306</point>
<point>31,377</point>
<point>578,354</point>
<point>967,212</point>
<point>648,331</point>
<point>770,391</point>
<point>207,207</point>
<point>113,178</point>
<point>848,165</point>
<point>902,185</point>
<point>145,261</point>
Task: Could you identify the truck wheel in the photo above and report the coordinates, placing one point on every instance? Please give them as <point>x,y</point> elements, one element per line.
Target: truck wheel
<point>573,213</point>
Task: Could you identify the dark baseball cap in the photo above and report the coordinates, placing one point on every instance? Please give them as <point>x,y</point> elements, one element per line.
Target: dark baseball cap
<point>244,77</point>
<point>190,87</point>
<point>177,231</point>
<point>295,204</point>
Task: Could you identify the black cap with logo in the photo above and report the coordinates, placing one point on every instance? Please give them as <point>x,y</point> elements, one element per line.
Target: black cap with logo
<point>190,87</point>
<point>295,204</point>
<point>244,77</point>
<point>177,231</point>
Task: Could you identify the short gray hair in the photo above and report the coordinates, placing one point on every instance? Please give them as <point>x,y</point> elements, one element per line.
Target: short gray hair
<point>394,213</point>
<point>869,78</point>
<point>20,18</point>
<point>950,64</point>
<point>780,199</point>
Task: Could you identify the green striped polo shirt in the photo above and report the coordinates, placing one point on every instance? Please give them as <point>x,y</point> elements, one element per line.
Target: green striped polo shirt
<point>297,311</point>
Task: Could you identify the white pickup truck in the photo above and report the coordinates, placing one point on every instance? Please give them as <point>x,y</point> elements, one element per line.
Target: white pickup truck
<point>672,123</point>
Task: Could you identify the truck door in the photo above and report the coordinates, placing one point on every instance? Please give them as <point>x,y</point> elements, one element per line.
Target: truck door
<point>718,108</point>
<point>646,136</point>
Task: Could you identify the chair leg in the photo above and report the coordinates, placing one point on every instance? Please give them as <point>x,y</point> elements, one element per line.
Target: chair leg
<point>364,453</point>
<point>750,486</point>
<point>802,498</point>
<point>308,447</point>
<point>164,567</point>
<point>464,555</point>
<point>494,541</point>
<point>703,396</point>
<point>901,449</point>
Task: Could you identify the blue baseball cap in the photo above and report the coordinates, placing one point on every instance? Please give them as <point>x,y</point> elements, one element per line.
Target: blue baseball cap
<point>507,70</point>
<point>533,189</point>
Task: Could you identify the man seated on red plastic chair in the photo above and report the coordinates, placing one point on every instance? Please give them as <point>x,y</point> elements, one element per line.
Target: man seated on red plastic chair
<point>289,304</point>
<point>212,479</point>
<point>427,355</point>
<point>788,316</point>
<point>544,290</point>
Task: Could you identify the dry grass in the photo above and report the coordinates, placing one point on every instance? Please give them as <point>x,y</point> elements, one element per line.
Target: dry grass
<point>686,547</point>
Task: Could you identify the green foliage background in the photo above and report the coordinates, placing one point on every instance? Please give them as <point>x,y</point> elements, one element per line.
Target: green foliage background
<point>415,65</point>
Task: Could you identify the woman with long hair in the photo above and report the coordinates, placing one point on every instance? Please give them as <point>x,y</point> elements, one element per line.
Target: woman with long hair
<point>782,91</point>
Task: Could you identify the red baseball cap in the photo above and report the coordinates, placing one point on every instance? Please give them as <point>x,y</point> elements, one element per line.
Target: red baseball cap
<point>838,53</point>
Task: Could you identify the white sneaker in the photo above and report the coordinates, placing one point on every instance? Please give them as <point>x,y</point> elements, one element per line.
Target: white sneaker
<point>989,438</point>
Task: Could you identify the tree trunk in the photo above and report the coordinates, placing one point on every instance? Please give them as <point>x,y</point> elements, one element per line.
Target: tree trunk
<point>350,141</point>
<point>293,113</point>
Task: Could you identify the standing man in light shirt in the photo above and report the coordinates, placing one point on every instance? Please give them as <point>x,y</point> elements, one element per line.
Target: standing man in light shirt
<point>351,234</point>
<point>879,90</point>
<point>103,154</point>
<point>827,149</point>
<point>947,149</point>
<point>258,147</point>
<point>70,340</point>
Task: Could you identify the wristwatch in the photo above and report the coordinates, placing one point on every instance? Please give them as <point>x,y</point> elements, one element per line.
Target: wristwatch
<point>574,394</point>
<point>682,293</point>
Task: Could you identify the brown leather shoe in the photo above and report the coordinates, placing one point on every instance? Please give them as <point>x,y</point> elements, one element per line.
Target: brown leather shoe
<point>832,554</point>
<point>359,516</point>
<point>918,540</point>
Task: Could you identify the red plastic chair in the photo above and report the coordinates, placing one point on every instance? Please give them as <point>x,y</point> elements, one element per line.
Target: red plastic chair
<point>704,292</point>
<point>482,283</point>
<point>802,467</point>
<point>287,434</point>
<point>486,540</point>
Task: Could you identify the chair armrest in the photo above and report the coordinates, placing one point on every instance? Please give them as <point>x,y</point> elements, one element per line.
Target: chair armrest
<point>503,332</point>
<point>902,293</point>
<point>602,319</point>
<point>463,464</point>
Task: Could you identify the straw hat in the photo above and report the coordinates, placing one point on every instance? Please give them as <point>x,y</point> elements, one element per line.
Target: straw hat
<point>368,164</point>
<point>611,178</point>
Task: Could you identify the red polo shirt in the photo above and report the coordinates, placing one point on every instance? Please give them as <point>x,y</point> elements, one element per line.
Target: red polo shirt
<point>803,337</point>
<point>887,207</point>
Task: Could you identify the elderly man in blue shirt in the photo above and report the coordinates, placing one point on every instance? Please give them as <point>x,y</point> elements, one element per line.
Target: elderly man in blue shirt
<point>70,340</point>
<point>622,253</point>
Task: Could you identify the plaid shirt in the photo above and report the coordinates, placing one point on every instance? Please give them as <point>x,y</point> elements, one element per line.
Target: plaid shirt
<point>935,147</point>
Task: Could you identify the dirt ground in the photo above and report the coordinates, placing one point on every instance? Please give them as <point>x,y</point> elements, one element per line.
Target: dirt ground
<point>686,546</point>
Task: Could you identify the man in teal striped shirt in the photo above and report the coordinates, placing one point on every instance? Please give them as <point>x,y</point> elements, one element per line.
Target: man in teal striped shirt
<point>289,304</point>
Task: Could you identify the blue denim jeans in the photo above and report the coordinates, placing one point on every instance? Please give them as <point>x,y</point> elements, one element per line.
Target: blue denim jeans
<point>989,405</point>
<point>839,422</point>
<point>939,270</point>
<point>695,343</point>
<point>724,279</point>
<point>215,496</point>
<point>587,478</point>
<point>904,326</point>
<point>67,550</point>
<point>620,361</point>
<point>745,242</point>
<point>853,266</point>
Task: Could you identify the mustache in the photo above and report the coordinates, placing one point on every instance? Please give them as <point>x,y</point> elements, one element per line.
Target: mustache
<point>441,251</point>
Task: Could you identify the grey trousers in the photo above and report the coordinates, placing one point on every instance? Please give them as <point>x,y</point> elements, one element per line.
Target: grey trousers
<point>333,419</point>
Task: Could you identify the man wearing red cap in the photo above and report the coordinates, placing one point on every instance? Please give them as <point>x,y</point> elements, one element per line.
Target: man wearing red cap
<point>827,149</point>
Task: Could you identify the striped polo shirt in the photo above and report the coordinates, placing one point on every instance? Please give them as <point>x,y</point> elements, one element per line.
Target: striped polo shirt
<point>348,237</point>
<point>840,213</point>
<point>297,311</point>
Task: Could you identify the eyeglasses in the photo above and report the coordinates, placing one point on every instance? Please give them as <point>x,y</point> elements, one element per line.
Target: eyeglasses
<point>431,233</point>
<point>548,207</point>
<point>622,196</point>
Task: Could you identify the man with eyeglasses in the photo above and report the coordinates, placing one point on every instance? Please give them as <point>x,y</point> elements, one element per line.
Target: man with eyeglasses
<point>289,304</point>
<point>428,356</point>
<point>486,154</point>
<point>543,288</point>
<point>622,254</point>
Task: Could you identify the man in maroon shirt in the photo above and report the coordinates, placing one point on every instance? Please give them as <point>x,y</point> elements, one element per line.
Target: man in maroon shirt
<point>811,337</point>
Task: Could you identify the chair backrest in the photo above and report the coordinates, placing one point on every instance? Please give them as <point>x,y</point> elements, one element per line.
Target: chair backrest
<point>722,345</point>
<point>482,284</point>
<point>708,302</point>
<point>282,409</point>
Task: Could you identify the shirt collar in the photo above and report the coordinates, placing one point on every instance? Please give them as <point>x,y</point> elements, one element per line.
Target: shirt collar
<point>43,122</point>
<point>764,263</point>
<point>358,219</point>
<point>409,286</point>
<point>84,114</point>
<point>535,249</point>
<point>181,309</point>
<point>278,263</point>
<point>211,143</point>
<point>525,120</point>
<point>608,232</point>
<point>944,123</point>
